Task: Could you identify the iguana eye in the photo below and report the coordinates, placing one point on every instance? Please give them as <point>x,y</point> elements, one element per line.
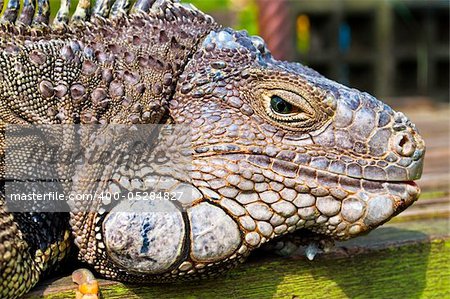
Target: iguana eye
<point>288,106</point>
<point>279,105</point>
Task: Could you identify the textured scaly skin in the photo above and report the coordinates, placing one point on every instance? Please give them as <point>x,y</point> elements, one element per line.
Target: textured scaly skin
<point>337,164</point>
<point>121,71</point>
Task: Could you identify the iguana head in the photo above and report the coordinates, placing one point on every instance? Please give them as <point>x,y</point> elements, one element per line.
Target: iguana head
<point>293,148</point>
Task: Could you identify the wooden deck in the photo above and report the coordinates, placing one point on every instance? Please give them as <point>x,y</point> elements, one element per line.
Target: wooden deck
<point>408,257</point>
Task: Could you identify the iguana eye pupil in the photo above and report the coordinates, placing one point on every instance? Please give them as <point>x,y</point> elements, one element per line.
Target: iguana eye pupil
<point>279,105</point>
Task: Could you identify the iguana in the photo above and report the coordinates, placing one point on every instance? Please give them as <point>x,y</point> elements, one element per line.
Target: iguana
<point>277,148</point>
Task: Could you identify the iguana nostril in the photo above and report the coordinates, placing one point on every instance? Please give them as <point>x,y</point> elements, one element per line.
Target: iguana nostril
<point>404,144</point>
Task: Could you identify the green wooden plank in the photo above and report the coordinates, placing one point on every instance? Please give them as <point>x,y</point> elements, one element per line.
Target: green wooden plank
<point>400,260</point>
<point>414,271</point>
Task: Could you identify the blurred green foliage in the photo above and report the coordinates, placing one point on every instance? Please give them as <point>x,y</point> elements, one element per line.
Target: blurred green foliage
<point>246,11</point>
<point>248,18</point>
<point>210,5</point>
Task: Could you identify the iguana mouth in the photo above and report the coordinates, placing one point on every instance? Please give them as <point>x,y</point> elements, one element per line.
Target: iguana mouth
<point>232,150</point>
<point>364,203</point>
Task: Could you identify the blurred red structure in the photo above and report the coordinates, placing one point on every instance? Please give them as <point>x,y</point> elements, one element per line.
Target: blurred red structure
<point>276,27</point>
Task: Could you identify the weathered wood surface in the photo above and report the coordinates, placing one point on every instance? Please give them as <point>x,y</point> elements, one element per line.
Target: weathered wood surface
<point>407,258</point>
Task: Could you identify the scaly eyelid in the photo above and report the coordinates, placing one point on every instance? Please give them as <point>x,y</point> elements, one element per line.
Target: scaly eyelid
<point>300,103</point>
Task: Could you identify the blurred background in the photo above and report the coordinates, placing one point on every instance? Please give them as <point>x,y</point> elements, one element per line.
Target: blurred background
<point>397,50</point>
